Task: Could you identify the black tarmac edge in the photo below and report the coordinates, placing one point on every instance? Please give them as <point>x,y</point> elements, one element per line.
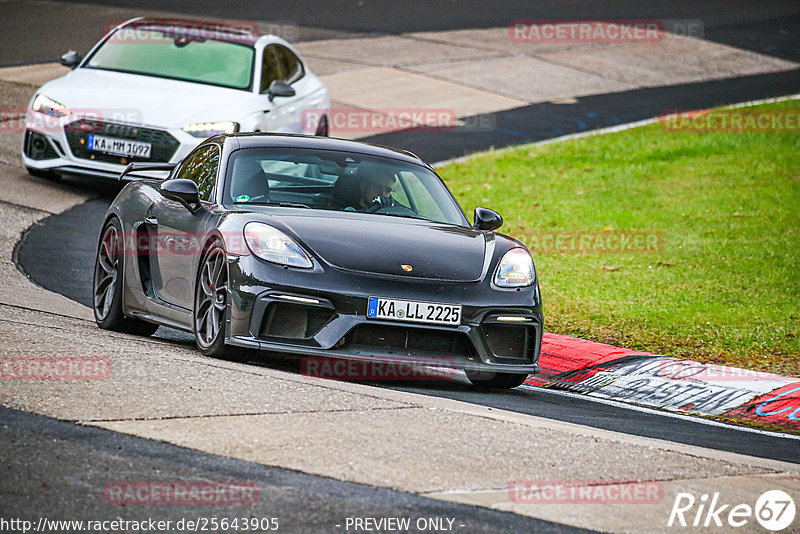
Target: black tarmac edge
<point>549,120</point>
<point>56,470</point>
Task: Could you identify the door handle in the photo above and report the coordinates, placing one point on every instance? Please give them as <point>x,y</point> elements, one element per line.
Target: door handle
<point>151,220</point>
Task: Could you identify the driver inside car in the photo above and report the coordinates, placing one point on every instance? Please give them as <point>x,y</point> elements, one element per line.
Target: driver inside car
<point>376,193</point>
<point>368,192</point>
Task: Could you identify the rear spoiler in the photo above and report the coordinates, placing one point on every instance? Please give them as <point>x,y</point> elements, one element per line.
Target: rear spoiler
<point>144,166</point>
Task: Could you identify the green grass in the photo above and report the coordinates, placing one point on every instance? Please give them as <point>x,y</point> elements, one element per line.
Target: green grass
<point>724,286</point>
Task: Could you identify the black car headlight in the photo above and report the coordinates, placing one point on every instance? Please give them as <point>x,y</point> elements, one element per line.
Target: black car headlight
<point>515,269</point>
<point>272,245</point>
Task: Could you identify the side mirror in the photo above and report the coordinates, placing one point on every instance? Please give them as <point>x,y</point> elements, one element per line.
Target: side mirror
<point>183,191</point>
<point>486,219</point>
<point>280,88</point>
<point>71,59</point>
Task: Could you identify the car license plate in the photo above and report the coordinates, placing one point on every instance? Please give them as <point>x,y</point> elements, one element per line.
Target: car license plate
<point>409,310</point>
<point>119,147</point>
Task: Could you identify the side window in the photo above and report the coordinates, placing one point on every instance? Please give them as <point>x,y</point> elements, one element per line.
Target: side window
<point>399,193</point>
<point>423,201</point>
<point>279,63</point>
<point>270,67</point>
<point>291,66</point>
<point>201,168</point>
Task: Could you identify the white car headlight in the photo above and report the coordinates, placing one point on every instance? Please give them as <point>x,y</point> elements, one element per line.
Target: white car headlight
<point>271,244</point>
<point>207,129</point>
<point>48,106</point>
<point>515,269</point>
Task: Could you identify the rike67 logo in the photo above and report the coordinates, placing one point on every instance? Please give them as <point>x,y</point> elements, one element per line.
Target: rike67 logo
<point>774,510</point>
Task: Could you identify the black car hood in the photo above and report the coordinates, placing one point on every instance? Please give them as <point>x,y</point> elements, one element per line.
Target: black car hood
<point>382,245</point>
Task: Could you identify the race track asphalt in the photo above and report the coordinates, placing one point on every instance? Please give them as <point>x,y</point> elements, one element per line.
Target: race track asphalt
<point>770,27</point>
<point>59,470</point>
<point>58,253</point>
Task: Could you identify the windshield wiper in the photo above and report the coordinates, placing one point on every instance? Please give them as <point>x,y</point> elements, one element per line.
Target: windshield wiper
<point>405,216</point>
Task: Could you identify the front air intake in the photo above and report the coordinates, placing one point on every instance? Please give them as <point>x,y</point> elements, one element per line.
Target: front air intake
<point>514,342</point>
<point>409,339</point>
<point>294,321</point>
<point>38,147</point>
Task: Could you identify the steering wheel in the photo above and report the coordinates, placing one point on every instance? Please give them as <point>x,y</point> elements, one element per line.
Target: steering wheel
<point>380,203</point>
<point>397,209</point>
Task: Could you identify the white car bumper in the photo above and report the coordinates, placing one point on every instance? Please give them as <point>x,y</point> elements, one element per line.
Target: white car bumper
<point>60,145</point>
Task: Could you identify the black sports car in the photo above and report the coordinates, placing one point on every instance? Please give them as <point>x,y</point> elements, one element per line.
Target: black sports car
<point>317,247</point>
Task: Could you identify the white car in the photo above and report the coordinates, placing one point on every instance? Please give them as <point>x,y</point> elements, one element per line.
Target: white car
<point>152,89</point>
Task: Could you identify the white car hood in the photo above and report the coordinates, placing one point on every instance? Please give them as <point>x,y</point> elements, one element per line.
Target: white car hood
<point>149,100</point>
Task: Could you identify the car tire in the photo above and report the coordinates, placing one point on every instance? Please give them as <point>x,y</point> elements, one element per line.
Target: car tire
<point>108,283</point>
<point>210,305</point>
<point>45,175</point>
<point>492,380</point>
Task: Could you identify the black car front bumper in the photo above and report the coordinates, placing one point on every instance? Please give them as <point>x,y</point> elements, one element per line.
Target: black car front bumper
<point>315,313</point>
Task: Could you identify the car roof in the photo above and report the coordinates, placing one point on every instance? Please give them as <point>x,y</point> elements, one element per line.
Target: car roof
<point>237,32</point>
<point>278,140</point>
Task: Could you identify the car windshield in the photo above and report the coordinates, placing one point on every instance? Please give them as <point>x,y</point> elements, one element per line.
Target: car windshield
<point>165,52</point>
<point>342,181</point>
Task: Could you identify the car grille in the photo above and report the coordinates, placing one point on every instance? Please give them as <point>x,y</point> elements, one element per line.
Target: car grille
<point>409,339</point>
<point>163,143</point>
<point>294,321</point>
